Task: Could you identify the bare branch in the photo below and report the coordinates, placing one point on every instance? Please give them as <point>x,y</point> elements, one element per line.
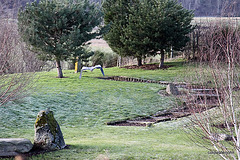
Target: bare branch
<point>219,54</point>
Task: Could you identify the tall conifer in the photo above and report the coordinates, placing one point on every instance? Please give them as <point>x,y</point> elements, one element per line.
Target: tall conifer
<point>59,29</point>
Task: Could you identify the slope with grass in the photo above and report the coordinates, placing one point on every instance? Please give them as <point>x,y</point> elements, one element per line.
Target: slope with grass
<point>82,108</point>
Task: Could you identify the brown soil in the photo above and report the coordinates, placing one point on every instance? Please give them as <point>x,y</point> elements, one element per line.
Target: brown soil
<point>195,105</point>
<point>125,123</point>
<point>203,99</point>
<point>223,125</point>
<point>161,116</point>
<point>147,67</point>
<point>130,79</point>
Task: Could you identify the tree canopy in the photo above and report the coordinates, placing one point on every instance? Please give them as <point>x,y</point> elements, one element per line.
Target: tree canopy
<point>145,27</point>
<point>116,14</point>
<point>59,30</point>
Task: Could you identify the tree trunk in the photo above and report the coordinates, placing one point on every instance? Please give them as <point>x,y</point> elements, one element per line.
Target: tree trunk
<point>171,50</point>
<point>119,61</point>
<point>193,44</point>
<point>139,59</point>
<point>59,69</point>
<point>218,7</point>
<point>72,64</point>
<point>79,67</point>
<point>161,64</point>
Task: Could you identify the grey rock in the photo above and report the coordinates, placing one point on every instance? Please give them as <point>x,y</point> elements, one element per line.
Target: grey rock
<point>14,146</point>
<point>48,135</point>
<point>172,89</point>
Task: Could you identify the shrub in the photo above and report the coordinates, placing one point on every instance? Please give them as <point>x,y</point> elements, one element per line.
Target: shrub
<point>104,59</point>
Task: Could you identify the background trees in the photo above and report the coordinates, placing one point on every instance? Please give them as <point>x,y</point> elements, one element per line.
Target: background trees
<point>212,7</point>
<point>17,65</point>
<point>146,27</point>
<point>218,129</point>
<point>201,7</point>
<point>158,26</point>
<point>59,29</point>
<point>116,14</point>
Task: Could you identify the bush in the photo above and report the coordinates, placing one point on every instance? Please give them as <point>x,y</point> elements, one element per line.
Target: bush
<point>97,58</point>
<point>104,59</point>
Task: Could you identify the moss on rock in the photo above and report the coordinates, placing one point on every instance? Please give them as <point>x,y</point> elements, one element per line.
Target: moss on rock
<point>47,118</point>
<point>48,134</point>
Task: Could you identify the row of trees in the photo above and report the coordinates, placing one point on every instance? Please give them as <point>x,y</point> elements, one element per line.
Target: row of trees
<point>141,28</point>
<point>200,37</point>
<point>15,58</point>
<point>60,30</point>
<point>218,72</point>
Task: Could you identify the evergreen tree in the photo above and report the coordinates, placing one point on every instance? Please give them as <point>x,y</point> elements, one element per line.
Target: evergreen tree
<point>147,27</point>
<point>59,29</point>
<point>156,26</point>
<point>116,15</point>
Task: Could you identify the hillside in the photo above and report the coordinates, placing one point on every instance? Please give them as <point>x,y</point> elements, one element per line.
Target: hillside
<point>202,8</point>
<point>212,7</point>
<point>9,8</point>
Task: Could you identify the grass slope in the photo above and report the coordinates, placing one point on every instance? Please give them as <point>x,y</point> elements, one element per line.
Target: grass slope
<point>82,107</point>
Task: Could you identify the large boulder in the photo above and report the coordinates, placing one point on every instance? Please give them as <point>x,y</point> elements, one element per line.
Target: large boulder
<point>48,135</point>
<point>172,89</point>
<point>14,146</point>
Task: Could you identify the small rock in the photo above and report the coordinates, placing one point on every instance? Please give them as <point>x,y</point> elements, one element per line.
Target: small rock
<point>14,146</point>
<point>48,135</point>
<point>172,89</point>
<point>20,157</point>
<point>102,157</point>
<point>221,137</point>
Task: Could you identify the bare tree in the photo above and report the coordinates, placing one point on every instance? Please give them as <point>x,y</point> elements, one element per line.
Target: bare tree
<point>17,65</point>
<point>214,101</point>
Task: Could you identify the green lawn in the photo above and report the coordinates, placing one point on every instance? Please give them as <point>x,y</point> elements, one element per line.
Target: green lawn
<point>82,108</point>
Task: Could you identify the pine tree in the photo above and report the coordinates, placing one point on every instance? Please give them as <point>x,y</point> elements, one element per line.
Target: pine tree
<point>59,29</point>
<point>116,15</point>
<point>146,27</point>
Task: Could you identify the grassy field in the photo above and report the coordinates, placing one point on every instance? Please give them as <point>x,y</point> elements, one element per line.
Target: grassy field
<point>82,108</point>
<point>210,21</point>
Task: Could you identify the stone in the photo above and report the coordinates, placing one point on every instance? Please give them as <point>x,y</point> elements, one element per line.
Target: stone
<point>48,135</point>
<point>221,137</point>
<point>14,146</point>
<point>172,89</point>
<point>20,157</point>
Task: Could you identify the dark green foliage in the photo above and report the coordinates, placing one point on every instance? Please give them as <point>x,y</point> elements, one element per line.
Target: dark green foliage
<point>82,59</point>
<point>116,14</point>
<point>59,30</point>
<point>104,59</point>
<point>110,60</point>
<point>145,27</point>
<point>97,59</point>
<point>86,55</point>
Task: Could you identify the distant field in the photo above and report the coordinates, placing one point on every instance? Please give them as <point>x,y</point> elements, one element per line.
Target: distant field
<point>205,20</point>
<point>100,44</point>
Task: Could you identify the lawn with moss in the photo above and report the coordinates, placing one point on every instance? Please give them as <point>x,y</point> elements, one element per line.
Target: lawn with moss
<point>83,107</point>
